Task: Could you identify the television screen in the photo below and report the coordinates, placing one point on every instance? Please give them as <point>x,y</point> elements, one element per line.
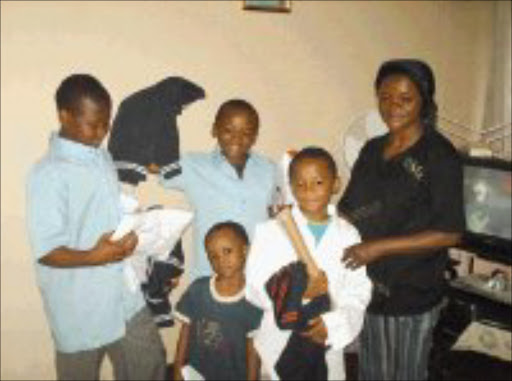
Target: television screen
<point>488,205</point>
<point>487,194</point>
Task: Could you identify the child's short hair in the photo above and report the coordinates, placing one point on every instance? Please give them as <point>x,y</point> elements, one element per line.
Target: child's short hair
<point>78,86</point>
<point>313,152</point>
<point>235,227</point>
<point>238,105</point>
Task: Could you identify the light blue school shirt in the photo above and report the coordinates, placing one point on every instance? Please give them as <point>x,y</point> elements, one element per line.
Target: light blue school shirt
<point>217,193</point>
<point>72,199</point>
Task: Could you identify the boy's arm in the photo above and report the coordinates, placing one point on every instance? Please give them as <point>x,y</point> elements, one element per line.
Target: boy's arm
<point>49,231</point>
<point>182,349</point>
<point>253,361</point>
<point>105,251</point>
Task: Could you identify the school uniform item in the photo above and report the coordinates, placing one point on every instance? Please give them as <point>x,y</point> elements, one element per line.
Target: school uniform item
<point>158,256</point>
<point>72,199</point>
<point>219,329</point>
<point>217,193</point>
<point>158,230</point>
<point>349,290</point>
<point>145,129</point>
<point>286,289</point>
<point>156,289</point>
<point>301,358</point>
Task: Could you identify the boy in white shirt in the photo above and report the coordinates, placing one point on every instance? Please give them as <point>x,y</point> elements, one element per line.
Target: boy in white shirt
<point>313,178</point>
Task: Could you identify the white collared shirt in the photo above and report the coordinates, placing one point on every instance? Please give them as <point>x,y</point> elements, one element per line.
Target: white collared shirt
<point>349,290</point>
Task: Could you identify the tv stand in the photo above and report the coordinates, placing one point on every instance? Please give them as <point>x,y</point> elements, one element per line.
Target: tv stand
<point>485,286</point>
<point>470,298</point>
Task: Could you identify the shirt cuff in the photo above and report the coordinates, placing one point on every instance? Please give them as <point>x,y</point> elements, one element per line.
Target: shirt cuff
<point>178,315</point>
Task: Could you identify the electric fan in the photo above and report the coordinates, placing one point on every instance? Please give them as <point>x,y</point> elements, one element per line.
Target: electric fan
<point>353,138</point>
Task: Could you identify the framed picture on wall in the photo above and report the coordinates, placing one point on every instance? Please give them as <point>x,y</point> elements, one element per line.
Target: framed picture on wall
<point>267,5</point>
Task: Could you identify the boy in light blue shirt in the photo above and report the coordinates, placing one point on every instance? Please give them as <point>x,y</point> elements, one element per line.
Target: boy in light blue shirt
<point>229,183</point>
<point>73,207</point>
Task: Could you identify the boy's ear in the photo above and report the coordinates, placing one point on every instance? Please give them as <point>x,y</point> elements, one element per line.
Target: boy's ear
<point>214,131</point>
<point>337,185</point>
<point>64,116</point>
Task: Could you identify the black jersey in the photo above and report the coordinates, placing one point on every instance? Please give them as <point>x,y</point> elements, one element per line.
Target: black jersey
<point>145,129</point>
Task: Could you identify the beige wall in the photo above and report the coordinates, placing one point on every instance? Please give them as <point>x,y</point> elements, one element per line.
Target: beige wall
<point>308,73</point>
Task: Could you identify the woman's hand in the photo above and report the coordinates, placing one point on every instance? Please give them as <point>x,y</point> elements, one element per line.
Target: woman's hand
<point>360,255</point>
<point>317,331</point>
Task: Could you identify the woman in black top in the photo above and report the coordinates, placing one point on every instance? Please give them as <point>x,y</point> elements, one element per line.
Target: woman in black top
<point>405,197</point>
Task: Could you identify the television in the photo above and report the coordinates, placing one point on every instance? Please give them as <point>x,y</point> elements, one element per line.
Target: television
<point>488,208</point>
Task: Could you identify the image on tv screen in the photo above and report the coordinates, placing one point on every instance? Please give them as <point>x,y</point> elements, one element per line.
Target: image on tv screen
<point>488,201</point>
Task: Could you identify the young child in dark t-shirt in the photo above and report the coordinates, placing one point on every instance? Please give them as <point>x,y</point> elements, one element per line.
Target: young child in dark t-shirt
<point>217,321</point>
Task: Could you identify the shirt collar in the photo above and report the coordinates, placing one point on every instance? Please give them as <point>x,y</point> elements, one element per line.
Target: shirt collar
<point>301,218</point>
<point>70,148</point>
<point>225,299</point>
<point>220,160</point>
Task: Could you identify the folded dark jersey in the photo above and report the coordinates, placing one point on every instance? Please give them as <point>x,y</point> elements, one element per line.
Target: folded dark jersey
<point>156,289</point>
<point>301,359</point>
<point>286,289</point>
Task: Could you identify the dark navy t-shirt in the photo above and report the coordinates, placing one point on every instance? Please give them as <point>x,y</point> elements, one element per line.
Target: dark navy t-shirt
<point>419,189</point>
<point>219,327</point>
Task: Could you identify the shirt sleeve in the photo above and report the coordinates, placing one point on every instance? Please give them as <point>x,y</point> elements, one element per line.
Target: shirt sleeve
<point>176,182</point>
<point>346,203</point>
<point>256,271</point>
<point>47,216</point>
<point>350,293</point>
<point>254,316</point>
<point>185,310</point>
<point>446,189</point>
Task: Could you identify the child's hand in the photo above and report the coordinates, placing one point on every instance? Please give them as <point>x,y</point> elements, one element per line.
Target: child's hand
<point>107,251</point>
<point>172,283</point>
<point>129,242</point>
<point>316,286</point>
<point>316,332</point>
<point>177,375</point>
<point>153,168</point>
<point>275,209</point>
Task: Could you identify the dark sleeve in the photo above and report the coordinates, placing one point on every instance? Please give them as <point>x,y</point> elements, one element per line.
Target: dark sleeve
<point>185,307</point>
<point>348,199</point>
<point>254,316</point>
<point>446,189</point>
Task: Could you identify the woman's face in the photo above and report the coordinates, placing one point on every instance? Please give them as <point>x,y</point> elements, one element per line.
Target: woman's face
<point>399,103</point>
